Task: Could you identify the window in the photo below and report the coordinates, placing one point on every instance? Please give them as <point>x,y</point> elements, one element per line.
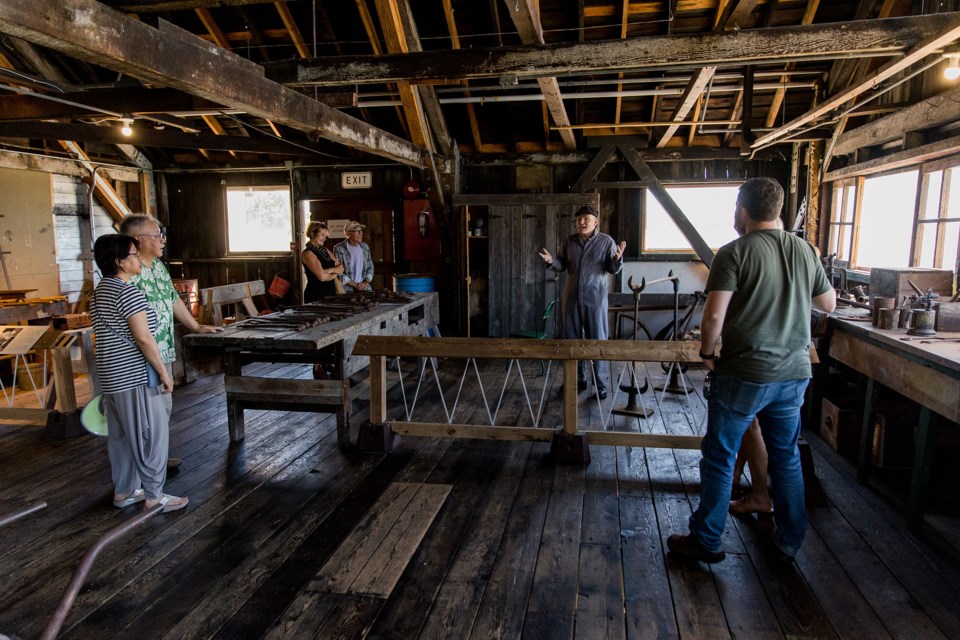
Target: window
<point>841,221</point>
<point>258,219</point>
<point>886,220</point>
<point>709,209</point>
<point>881,221</point>
<point>938,227</point>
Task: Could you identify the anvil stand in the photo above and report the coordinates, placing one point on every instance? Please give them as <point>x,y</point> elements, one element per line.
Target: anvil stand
<point>676,383</point>
<point>633,390</point>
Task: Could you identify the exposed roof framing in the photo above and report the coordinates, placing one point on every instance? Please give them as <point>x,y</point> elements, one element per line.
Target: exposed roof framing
<point>657,53</point>
<point>526,18</point>
<point>90,31</point>
<point>671,73</point>
<point>948,32</point>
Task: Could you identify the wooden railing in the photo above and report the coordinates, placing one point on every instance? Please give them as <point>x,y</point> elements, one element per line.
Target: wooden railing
<point>570,442</point>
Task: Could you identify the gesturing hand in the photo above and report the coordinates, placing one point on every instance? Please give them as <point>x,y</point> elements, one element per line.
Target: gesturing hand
<point>545,256</point>
<point>620,249</point>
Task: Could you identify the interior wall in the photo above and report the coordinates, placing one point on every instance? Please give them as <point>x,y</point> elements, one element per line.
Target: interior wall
<point>74,244</point>
<point>27,232</point>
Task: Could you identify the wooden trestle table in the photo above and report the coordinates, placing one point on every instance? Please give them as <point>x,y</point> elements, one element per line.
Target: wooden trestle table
<point>329,343</point>
<point>926,371</point>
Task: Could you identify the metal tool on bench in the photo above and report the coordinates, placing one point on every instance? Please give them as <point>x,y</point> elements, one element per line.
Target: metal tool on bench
<point>922,316</point>
<point>633,390</point>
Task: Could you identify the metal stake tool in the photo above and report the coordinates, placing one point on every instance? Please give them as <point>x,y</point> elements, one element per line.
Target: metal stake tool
<point>633,390</point>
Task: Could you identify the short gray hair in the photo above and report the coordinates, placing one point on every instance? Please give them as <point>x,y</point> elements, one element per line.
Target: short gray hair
<point>136,222</point>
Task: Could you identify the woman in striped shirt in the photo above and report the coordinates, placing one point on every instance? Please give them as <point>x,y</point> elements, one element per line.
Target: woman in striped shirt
<point>137,421</point>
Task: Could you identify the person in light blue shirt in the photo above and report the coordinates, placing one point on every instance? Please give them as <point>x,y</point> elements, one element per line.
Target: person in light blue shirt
<point>354,254</point>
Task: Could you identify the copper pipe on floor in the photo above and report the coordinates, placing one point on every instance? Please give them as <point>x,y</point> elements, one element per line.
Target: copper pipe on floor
<point>80,574</point>
<point>22,513</point>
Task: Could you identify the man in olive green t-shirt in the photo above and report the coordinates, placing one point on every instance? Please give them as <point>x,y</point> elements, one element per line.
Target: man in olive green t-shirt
<point>759,294</point>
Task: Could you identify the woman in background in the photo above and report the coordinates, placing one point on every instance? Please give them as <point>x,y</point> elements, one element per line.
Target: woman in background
<point>321,268</point>
<point>137,422</point>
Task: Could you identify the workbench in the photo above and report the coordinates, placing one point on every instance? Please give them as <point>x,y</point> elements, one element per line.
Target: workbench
<point>329,343</point>
<point>924,370</point>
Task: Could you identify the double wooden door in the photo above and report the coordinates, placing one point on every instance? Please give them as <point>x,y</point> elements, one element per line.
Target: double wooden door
<point>517,285</point>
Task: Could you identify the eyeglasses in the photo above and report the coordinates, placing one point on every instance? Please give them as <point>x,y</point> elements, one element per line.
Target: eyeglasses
<point>152,235</point>
<point>134,253</point>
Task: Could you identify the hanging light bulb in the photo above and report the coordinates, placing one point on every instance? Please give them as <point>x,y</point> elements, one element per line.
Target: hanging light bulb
<point>125,129</point>
<point>952,71</point>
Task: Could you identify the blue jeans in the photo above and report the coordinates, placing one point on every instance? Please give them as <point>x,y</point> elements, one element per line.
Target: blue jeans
<point>732,407</point>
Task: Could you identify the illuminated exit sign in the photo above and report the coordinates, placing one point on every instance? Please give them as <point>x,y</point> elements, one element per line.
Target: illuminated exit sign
<point>356,180</point>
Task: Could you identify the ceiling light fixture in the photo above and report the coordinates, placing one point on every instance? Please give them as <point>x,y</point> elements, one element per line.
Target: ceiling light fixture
<point>952,71</point>
<point>125,129</point>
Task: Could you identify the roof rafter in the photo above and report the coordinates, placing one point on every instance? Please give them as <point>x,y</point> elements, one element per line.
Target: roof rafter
<point>91,31</point>
<point>526,18</point>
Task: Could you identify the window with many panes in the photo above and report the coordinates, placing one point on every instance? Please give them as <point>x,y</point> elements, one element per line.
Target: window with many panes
<point>258,219</point>
<point>904,219</point>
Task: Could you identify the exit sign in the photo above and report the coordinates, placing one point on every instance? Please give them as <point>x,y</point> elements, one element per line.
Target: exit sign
<point>356,180</point>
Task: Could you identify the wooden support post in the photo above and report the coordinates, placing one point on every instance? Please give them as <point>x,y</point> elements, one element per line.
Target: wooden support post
<point>569,446</point>
<point>63,378</point>
<point>922,460</point>
<point>378,389</point>
<point>64,423</point>
<point>866,433</point>
<point>232,366</point>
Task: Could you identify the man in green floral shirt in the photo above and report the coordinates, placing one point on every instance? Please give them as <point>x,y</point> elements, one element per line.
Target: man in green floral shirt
<point>154,280</point>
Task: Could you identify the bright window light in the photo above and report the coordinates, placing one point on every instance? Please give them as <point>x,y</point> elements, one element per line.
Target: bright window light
<point>709,209</point>
<point>886,220</point>
<point>258,219</point>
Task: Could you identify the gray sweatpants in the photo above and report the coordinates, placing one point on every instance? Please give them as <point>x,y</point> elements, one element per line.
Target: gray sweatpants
<point>168,397</point>
<point>138,440</point>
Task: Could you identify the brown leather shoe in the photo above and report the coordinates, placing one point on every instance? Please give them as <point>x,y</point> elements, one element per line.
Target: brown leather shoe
<point>173,463</point>
<point>689,547</point>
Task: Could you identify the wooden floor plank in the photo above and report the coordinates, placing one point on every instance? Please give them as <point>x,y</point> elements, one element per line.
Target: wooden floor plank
<point>269,601</point>
<point>508,588</point>
<point>848,611</point>
<point>491,559</point>
<point>646,587</point>
<point>459,596</point>
<point>382,572</point>
<point>554,588</point>
<point>931,583</point>
<point>600,594</point>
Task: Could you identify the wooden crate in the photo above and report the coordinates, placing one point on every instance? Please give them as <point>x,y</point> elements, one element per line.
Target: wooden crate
<point>841,421</point>
<point>892,283</point>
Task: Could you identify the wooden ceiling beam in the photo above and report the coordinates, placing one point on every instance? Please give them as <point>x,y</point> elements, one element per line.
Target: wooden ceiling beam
<point>103,191</point>
<point>778,45</point>
<point>149,137</point>
<point>949,32</point>
<point>777,101</point>
<point>93,32</point>
<point>390,25</point>
<point>695,88</point>
<point>933,112</point>
<point>526,18</point>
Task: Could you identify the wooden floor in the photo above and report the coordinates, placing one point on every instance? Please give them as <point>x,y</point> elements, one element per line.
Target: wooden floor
<point>287,537</point>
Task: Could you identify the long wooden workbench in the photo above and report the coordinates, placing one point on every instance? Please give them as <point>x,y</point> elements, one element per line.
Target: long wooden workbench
<point>926,371</point>
<point>330,343</point>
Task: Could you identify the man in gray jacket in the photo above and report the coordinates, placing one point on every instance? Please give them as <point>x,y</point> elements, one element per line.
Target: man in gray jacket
<point>587,256</point>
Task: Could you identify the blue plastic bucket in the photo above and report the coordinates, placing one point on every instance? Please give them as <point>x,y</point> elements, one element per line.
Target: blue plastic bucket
<point>416,283</point>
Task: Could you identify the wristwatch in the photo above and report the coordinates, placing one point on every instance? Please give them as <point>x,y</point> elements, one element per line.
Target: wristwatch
<point>704,356</point>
